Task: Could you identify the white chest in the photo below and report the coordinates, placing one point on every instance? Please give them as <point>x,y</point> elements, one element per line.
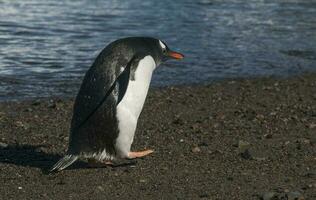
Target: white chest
<point>130,107</point>
<point>137,89</point>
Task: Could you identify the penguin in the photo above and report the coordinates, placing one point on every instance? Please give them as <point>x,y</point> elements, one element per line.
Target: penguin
<point>110,100</point>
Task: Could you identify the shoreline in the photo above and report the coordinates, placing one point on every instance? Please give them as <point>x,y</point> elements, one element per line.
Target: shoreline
<point>152,87</point>
<point>234,139</point>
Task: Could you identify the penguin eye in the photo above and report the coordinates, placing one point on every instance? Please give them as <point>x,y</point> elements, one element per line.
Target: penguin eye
<point>163,46</point>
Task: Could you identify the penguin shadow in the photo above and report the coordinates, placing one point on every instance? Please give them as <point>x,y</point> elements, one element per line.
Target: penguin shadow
<point>34,156</point>
<point>28,156</point>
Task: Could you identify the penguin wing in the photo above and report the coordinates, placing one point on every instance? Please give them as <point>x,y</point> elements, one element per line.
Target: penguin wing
<point>96,90</point>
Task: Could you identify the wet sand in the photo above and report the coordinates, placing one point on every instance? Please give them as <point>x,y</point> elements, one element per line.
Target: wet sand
<point>236,139</point>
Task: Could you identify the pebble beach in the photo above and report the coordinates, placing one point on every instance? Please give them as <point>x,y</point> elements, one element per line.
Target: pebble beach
<point>234,139</point>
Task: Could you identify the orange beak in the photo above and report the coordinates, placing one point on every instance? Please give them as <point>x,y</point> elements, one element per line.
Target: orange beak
<point>175,55</point>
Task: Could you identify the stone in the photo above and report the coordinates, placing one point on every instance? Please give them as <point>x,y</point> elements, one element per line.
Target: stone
<point>3,145</point>
<point>243,147</point>
<point>295,196</point>
<point>268,136</point>
<point>243,144</point>
<point>196,150</point>
<point>269,196</point>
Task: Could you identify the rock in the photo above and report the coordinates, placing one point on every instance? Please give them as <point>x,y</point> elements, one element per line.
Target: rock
<point>142,181</point>
<point>287,143</point>
<point>268,136</point>
<point>177,120</point>
<point>210,118</point>
<point>306,141</point>
<point>259,158</point>
<point>260,117</point>
<point>243,148</point>
<point>269,196</point>
<point>246,154</point>
<point>266,88</point>
<point>203,144</point>
<point>52,105</point>
<point>312,126</point>
<point>3,145</point>
<point>204,195</point>
<point>2,115</point>
<point>196,150</point>
<point>100,188</point>
<point>287,179</point>
<point>36,103</point>
<point>311,185</point>
<point>28,110</point>
<point>309,175</point>
<point>295,196</point>
<point>243,144</point>
<point>24,125</point>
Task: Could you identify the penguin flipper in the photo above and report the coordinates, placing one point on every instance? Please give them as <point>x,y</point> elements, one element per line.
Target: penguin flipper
<point>63,163</point>
<point>128,74</point>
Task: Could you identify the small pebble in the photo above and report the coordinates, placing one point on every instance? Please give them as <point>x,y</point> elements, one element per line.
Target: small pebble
<point>204,195</point>
<point>259,116</point>
<point>244,151</point>
<point>268,196</point>
<point>306,141</point>
<point>260,158</point>
<point>312,126</point>
<point>288,179</point>
<point>100,188</point>
<point>51,105</point>
<point>36,103</point>
<point>28,110</point>
<point>246,154</point>
<point>3,145</point>
<point>295,196</point>
<point>20,188</point>
<point>287,143</point>
<point>196,150</point>
<point>243,144</point>
<point>268,136</point>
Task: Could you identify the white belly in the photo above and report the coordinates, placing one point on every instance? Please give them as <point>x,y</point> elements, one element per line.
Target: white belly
<point>130,107</point>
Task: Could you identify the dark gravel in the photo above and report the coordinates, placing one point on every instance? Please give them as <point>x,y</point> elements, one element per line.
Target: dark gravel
<point>237,139</point>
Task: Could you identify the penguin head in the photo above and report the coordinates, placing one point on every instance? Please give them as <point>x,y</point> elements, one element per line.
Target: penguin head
<point>159,50</point>
<point>164,53</point>
<point>148,45</point>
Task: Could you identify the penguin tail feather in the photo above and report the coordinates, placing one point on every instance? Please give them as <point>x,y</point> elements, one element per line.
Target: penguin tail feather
<point>63,163</point>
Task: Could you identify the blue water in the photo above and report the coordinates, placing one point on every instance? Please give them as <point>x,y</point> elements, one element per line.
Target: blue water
<point>46,46</point>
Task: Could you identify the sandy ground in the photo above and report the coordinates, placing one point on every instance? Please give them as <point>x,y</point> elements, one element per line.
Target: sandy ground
<point>237,139</point>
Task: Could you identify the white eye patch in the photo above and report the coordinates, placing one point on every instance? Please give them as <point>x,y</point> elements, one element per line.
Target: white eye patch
<point>163,46</point>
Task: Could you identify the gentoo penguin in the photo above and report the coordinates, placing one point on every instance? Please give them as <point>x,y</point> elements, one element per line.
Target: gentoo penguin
<point>111,98</point>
